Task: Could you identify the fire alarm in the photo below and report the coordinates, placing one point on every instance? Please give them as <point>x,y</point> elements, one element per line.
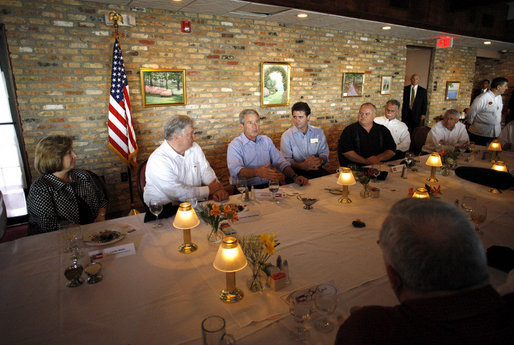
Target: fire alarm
<point>186,26</point>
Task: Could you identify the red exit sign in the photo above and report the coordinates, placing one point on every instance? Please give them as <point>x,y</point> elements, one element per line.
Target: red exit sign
<point>445,42</point>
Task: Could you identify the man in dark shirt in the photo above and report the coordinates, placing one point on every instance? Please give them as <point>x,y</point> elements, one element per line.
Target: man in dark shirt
<point>365,142</point>
<point>437,268</point>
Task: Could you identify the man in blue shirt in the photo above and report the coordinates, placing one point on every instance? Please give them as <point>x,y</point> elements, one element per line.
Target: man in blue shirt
<point>255,157</point>
<point>304,145</point>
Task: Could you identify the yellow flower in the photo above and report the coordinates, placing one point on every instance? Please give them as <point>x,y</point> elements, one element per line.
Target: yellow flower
<point>270,247</point>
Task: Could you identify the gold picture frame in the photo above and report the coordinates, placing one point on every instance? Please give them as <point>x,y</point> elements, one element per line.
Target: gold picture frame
<point>452,90</point>
<point>275,84</point>
<point>161,87</point>
<point>353,84</point>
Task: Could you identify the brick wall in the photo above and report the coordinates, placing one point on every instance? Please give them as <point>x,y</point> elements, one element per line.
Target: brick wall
<point>61,54</point>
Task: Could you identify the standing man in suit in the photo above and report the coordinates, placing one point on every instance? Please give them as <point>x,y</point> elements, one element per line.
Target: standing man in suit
<point>414,108</point>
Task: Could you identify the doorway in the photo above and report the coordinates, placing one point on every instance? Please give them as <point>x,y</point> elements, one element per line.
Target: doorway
<point>418,62</point>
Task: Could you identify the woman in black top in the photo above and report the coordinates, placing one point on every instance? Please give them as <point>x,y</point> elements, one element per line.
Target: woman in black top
<point>62,193</point>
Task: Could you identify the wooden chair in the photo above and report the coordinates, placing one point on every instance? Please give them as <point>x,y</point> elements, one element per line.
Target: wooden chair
<point>141,180</point>
<point>419,136</point>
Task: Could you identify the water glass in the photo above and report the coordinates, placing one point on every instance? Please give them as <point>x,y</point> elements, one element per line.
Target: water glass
<point>300,307</point>
<point>241,185</point>
<point>273,188</point>
<point>325,300</point>
<point>155,207</point>
<point>213,331</point>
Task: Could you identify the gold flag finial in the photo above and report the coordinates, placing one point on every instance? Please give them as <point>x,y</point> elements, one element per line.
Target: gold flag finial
<point>115,17</point>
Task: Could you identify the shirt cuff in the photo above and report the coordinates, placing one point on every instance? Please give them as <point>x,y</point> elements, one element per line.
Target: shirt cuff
<point>203,193</point>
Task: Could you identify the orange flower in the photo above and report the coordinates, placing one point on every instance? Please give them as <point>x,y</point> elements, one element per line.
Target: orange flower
<point>215,210</point>
<point>234,217</point>
<point>411,191</point>
<point>442,152</point>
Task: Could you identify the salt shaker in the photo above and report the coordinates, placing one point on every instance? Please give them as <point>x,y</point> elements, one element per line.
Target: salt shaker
<point>404,171</point>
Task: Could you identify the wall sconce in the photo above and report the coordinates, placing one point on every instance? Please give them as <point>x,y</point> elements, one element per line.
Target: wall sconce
<point>495,146</point>
<point>345,179</point>
<point>230,259</point>
<point>421,193</point>
<point>186,219</point>
<point>434,160</point>
<point>500,166</point>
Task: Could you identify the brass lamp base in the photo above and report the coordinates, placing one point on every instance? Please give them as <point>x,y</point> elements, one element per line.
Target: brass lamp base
<point>231,296</point>
<point>187,248</point>
<point>344,200</point>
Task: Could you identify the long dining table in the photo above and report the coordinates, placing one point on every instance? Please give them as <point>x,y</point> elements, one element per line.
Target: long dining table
<point>153,294</point>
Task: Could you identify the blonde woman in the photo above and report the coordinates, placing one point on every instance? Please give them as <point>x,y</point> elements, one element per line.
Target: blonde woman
<point>62,193</point>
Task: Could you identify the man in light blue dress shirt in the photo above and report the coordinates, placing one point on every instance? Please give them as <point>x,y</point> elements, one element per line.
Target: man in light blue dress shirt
<point>304,145</point>
<point>255,157</point>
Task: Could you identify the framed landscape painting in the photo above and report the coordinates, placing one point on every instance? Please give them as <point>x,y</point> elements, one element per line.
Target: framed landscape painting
<point>385,85</point>
<point>275,83</point>
<point>163,87</point>
<point>452,90</point>
<point>353,84</point>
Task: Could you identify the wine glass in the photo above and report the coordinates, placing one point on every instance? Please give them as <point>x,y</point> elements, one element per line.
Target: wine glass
<point>273,188</point>
<point>478,215</point>
<point>156,209</point>
<point>467,203</point>
<point>241,185</point>
<point>300,307</point>
<point>325,300</point>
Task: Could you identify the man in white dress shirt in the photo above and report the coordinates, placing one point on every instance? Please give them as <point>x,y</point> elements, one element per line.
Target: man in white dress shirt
<point>398,129</point>
<point>448,134</point>
<point>178,170</point>
<point>485,114</point>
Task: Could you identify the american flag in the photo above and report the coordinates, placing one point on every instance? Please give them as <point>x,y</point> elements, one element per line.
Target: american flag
<point>122,138</point>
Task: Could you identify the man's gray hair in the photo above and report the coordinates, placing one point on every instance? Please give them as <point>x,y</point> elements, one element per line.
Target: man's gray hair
<point>452,112</point>
<point>433,246</point>
<point>244,112</point>
<point>394,102</point>
<point>177,124</point>
<point>370,104</point>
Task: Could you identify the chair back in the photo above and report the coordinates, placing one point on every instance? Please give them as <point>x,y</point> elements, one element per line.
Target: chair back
<point>141,180</point>
<point>99,182</point>
<point>3,216</point>
<point>419,136</point>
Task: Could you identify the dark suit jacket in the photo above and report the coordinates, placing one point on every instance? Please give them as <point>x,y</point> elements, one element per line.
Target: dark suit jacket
<point>412,117</point>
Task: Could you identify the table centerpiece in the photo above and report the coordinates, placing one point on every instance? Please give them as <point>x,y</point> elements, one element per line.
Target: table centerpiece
<point>213,214</point>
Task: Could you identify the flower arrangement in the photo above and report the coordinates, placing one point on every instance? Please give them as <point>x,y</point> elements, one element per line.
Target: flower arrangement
<point>449,158</point>
<point>214,214</point>
<point>363,176</point>
<point>258,249</point>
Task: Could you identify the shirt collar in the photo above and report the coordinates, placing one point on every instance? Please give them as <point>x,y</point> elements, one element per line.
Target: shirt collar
<point>296,130</point>
<point>245,139</point>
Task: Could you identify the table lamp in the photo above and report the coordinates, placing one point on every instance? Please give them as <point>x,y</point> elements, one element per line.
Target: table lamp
<point>434,160</point>
<point>495,146</point>
<point>421,193</point>
<point>500,166</point>
<point>345,179</point>
<point>186,219</point>
<point>230,259</point>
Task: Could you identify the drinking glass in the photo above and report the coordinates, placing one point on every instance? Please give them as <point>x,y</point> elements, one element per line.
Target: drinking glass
<point>325,300</point>
<point>241,185</point>
<point>478,215</point>
<point>273,188</point>
<point>213,331</point>
<point>300,307</point>
<point>376,172</point>
<point>468,203</point>
<point>156,209</point>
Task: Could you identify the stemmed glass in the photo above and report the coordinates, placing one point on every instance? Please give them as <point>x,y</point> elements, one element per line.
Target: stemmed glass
<point>468,202</point>
<point>273,188</point>
<point>325,300</point>
<point>376,172</point>
<point>241,185</point>
<point>300,307</point>
<point>478,215</point>
<point>156,209</point>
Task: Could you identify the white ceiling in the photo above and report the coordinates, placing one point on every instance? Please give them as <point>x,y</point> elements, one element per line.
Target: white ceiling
<point>284,15</point>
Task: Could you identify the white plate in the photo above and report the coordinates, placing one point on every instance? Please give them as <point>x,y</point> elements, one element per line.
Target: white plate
<point>90,238</point>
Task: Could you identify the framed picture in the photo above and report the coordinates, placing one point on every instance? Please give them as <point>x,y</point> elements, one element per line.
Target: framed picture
<point>452,90</point>
<point>385,85</point>
<point>353,84</point>
<point>163,87</point>
<point>275,83</point>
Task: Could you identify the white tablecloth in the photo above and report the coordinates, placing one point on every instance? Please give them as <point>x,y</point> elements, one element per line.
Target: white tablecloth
<point>159,296</point>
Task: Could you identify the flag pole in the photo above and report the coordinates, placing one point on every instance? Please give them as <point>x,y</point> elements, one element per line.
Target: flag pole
<point>115,17</point>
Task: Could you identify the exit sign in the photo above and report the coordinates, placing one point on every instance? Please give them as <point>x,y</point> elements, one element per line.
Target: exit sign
<point>445,42</point>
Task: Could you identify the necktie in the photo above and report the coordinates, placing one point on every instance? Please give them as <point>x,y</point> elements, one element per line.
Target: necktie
<point>413,95</point>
